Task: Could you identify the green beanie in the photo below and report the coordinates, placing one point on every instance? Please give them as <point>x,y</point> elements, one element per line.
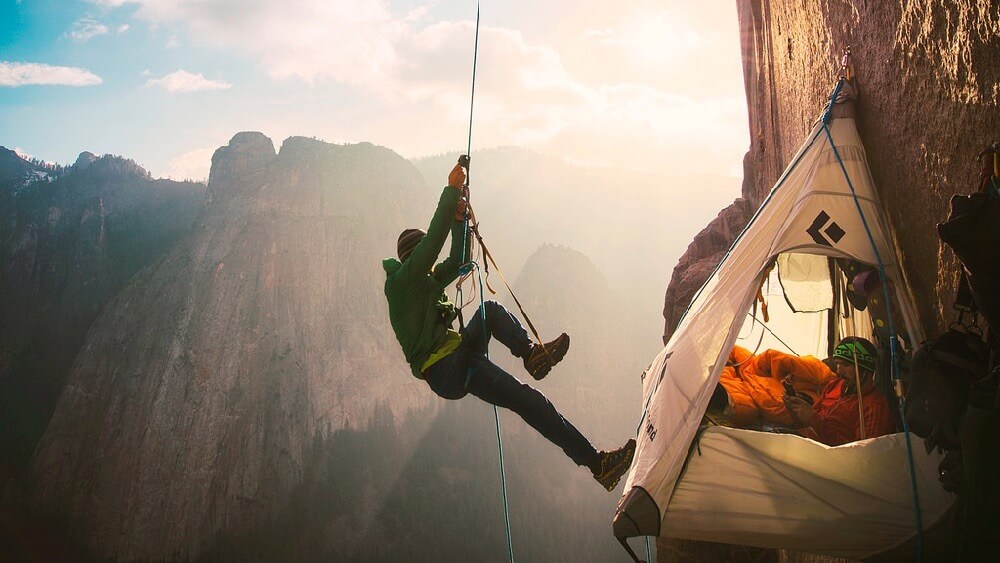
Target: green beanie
<point>855,349</point>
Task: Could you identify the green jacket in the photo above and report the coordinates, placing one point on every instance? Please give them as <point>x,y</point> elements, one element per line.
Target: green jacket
<point>419,310</point>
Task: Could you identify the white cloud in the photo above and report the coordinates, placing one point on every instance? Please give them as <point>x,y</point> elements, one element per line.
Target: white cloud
<point>597,92</point>
<point>644,128</point>
<point>192,165</point>
<point>349,41</point>
<point>122,28</point>
<point>184,81</point>
<point>24,74</point>
<point>87,28</point>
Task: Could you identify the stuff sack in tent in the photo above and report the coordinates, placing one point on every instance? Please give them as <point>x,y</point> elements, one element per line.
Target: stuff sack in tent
<point>780,490</point>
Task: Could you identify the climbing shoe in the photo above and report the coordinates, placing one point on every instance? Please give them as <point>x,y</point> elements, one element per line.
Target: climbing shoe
<point>612,465</point>
<point>540,359</point>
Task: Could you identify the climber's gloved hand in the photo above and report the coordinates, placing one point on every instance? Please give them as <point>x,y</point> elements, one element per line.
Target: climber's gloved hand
<point>456,178</point>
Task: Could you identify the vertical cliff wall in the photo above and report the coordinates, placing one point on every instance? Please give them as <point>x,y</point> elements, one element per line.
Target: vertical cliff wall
<point>69,239</point>
<point>929,82</point>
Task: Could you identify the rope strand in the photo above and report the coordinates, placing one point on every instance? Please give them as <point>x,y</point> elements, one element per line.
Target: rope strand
<point>893,345</point>
<point>466,263</point>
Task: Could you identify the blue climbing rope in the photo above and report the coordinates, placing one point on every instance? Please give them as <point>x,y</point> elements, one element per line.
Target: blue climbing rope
<point>496,417</point>
<point>468,146</point>
<point>469,266</point>
<point>893,345</point>
<point>466,268</point>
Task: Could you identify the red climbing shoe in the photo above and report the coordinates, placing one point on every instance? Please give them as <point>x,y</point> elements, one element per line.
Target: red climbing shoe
<point>612,465</point>
<point>540,359</point>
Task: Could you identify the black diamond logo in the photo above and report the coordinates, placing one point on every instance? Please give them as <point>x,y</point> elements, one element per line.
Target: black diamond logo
<point>819,226</point>
<point>834,232</point>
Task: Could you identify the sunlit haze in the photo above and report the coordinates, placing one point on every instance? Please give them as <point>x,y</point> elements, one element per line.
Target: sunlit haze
<point>653,86</point>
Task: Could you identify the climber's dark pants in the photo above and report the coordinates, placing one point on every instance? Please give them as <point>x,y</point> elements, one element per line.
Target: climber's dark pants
<point>468,370</point>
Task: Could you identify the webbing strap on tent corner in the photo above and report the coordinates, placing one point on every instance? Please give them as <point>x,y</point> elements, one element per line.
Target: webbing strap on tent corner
<point>829,106</point>
<point>893,344</point>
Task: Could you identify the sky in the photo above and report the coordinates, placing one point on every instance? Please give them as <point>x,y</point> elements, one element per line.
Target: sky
<point>646,85</point>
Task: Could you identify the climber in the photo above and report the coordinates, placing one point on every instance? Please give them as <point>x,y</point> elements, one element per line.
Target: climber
<point>834,418</point>
<point>454,363</point>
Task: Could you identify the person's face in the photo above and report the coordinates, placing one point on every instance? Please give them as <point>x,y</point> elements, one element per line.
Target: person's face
<point>845,369</point>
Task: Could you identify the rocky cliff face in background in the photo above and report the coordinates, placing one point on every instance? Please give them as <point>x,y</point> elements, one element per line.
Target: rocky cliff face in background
<point>929,82</point>
<point>197,393</point>
<point>563,291</point>
<point>17,172</point>
<point>69,239</point>
<point>700,259</point>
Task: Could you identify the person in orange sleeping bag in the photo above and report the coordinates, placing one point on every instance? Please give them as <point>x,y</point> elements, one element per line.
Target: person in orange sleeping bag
<point>755,384</point>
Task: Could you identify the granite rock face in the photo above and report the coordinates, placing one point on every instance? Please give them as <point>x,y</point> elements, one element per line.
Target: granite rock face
<point>69,239</point>
<point>192,403</point>
<point>929,83</point>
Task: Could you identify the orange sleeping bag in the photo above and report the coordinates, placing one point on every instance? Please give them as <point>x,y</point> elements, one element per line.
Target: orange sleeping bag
<point>754,383</point>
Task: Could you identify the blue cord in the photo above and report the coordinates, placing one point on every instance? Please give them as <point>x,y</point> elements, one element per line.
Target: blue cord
<point>892,332</point>
<point>496,416</point>
<point>482,308</point>
<point>829,109</point>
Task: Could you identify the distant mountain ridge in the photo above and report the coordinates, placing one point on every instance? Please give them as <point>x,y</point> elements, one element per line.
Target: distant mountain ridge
<point>69,240</point>
<point>17,172</point>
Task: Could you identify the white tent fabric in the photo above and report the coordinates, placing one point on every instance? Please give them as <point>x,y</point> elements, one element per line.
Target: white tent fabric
<point>776,490</point>
<point>849,501</point>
